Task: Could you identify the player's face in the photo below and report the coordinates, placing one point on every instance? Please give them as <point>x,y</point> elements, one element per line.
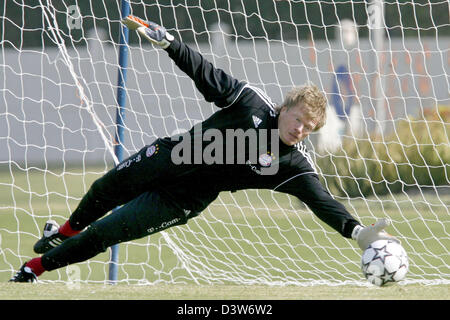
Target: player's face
<point>294,125</point>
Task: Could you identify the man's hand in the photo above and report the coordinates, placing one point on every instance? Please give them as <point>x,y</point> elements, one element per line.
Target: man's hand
<point>364,236</point>
<point>149,30</point>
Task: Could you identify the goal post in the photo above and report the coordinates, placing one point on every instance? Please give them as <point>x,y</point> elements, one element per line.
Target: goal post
<point>120,117</point>
<point>384,152</point>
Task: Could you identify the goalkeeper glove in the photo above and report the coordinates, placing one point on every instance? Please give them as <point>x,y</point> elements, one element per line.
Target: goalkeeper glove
<point>364,236</point>
<point>151,31</point>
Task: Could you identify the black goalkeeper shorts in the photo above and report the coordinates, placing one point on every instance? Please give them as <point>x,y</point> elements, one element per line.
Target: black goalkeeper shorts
<point>145,171</point>
<point>147,214</point>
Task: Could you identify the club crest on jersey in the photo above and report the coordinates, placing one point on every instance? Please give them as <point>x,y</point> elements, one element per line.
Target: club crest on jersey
<point>153,149</point>
<point>265,160</point>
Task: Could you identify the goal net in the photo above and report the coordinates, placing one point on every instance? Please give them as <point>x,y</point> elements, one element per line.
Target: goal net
<point>385,152</point>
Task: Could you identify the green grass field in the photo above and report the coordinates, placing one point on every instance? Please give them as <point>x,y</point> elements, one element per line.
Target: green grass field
<point>268,237</point>
<point>24,291</point>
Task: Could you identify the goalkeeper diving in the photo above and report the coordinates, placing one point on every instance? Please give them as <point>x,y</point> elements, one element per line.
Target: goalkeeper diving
<point>154,192</point>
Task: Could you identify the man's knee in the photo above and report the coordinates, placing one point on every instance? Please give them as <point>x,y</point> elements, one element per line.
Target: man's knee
<point>78,248</point>
<point>100,239</point>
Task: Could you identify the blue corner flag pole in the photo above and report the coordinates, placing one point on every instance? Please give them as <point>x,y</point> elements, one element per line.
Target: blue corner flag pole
<point>120,116</point>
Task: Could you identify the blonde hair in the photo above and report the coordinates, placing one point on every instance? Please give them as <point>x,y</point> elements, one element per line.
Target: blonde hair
<point>312,100</point>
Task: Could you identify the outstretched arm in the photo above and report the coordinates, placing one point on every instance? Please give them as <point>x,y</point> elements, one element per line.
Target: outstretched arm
<point>216,85</point>
<point>308,188</point>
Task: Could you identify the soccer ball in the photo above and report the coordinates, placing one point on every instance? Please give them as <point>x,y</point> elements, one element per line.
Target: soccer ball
<point>384,261</point>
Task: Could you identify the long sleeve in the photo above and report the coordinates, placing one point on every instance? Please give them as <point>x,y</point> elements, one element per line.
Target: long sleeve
<point>214,84</point>
<point>308,189</point>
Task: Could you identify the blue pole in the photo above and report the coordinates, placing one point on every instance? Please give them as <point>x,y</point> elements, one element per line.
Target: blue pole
<point>120,116</point>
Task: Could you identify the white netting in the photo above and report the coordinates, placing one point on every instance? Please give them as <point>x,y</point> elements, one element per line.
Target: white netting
<point>384,153</point>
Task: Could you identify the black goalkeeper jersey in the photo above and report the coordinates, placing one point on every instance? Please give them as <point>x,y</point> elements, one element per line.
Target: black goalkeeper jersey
<point>243,107</point>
